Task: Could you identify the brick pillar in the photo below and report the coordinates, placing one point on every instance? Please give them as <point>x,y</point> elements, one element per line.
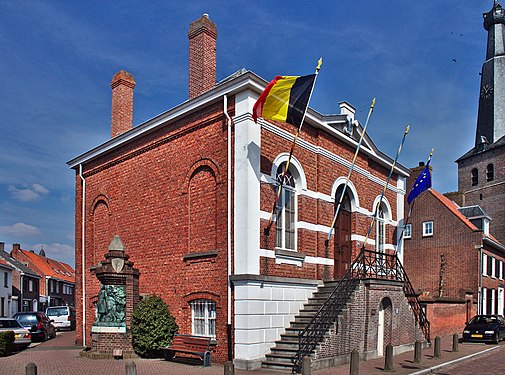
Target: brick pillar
<point>122,85</point>
<point>202,56</point>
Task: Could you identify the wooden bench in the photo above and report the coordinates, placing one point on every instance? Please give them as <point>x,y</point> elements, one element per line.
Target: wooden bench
<point>192,345</point>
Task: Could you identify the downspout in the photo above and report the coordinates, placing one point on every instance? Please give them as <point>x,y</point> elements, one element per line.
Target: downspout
<point>83,270</point>
<point>480,308</point>
<point>228,241</point>
<point>21,286</point>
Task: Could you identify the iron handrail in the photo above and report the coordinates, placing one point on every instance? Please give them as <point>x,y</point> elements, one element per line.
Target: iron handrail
<point>368,264</point>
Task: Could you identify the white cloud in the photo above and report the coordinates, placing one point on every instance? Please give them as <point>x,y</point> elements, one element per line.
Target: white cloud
<point>57,251</point>
<point>19,230</point>
<point>28,194</point>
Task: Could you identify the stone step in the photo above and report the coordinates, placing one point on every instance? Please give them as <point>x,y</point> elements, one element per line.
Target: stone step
<point>284,344</point>
<point>288,367</point>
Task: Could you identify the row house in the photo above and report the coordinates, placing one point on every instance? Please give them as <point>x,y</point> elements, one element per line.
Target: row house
<point>57,284</point>
<point>24,284</point>
<point>190,193</point>
<point>5,289</point>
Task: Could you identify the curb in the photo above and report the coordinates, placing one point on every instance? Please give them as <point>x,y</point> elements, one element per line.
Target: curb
<point>454,361</point>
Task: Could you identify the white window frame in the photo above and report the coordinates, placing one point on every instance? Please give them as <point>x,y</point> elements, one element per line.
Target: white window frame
<point>208,329</point>
<point>407,233</point>
<point>426,225</point>
<point>493,267</point>
<point>493,298</point>
<point>30,285</point>
<point>281,233</point>
<point>484,300</point>
<point>380,232</point>
<point>484,264</point>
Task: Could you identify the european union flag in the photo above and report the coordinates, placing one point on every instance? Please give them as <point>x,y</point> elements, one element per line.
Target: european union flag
<point>423,182</point>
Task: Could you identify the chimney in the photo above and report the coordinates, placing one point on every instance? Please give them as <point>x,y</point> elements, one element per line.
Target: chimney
<point>2,246</point>
<point>15,248</point>
<point>202,56</point>
<point>122,85</point>
<point>347,108</point>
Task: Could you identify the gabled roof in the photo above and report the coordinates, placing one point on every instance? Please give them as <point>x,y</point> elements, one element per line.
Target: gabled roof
<point>50,267</point>
<point>453,207</point>
<point>5,264</point>
<point>18,265</point>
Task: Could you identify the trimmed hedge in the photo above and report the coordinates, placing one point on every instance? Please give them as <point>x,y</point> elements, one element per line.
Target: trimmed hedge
<point>6,343</point>
<point>152,326</point>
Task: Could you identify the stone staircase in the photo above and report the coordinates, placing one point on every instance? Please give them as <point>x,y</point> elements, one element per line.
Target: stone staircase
<point>282,354</point>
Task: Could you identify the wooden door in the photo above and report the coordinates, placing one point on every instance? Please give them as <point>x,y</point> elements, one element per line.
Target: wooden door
<point>342,245</point>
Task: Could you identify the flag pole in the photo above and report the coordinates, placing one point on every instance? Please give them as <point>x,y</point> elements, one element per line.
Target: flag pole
<point>377,206</point>
<point>350,171</point>
<point>412,206</point>
<point>281,182</point>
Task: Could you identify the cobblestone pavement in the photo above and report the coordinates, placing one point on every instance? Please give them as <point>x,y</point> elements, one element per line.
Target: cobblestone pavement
<point>61,357</point>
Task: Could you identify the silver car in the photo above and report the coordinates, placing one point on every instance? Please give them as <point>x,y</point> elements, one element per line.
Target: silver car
<point>22,337</point>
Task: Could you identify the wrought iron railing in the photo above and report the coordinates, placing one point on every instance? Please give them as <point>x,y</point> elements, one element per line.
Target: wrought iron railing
<point>368,264</point>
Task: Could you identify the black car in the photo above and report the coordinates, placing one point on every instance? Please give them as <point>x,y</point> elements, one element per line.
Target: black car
<point>37,323</point>
<point>485,328</point>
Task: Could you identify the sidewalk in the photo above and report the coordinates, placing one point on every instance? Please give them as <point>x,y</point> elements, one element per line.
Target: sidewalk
<point>61,357</point>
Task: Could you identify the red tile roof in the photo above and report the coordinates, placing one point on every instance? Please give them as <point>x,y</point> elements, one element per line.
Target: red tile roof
<point>453,208</point>
<point>4,263</point>
<point>51,267</point>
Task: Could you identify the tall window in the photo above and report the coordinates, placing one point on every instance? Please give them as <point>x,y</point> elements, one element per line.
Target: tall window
<point>203,317</point>
<point>475,176</point>
<point>490,172</point>
<point>380,230</point>
<point>484,264</point>
<point>30,285</point>
<point>286,210</point>
<point>427,228</point>
<point>6,279</point>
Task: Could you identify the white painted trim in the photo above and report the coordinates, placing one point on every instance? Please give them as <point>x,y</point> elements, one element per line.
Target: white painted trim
<point>312,227</point>
<point>340,181</point>
<point>301,179</point>
<point>308,259</point>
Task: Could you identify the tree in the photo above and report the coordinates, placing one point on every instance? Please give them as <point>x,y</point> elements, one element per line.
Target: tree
<point>153,327</point>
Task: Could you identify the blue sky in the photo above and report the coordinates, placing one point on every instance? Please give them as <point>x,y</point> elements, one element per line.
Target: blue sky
<point>420,59</point>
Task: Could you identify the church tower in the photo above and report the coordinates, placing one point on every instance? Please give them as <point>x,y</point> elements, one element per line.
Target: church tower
<point>481,171</point>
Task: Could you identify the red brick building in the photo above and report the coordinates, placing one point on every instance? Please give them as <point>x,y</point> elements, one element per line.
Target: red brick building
<point>190,192</point>
<point>455,266</point>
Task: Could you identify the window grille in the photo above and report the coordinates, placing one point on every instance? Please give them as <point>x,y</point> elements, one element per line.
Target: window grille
<point>203,317</point>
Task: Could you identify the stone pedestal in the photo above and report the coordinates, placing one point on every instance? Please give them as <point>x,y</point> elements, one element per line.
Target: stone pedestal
<point>119,293</point>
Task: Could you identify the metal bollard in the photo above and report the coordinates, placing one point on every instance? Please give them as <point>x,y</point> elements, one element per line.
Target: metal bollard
<point>229,369</point>
<point>354,369</point>
<point>306,370</point>
<point>31,369</point>
<point>388,365</point>
<point>131,368</point>
<point>436,350</point>
<point>417,351</point>
<point>455,341</point>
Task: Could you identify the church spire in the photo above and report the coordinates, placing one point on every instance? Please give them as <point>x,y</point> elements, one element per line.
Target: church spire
<point>491,117</point>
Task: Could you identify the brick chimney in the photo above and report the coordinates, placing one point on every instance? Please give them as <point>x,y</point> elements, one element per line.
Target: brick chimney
<point>15,249</point>
<point>202,56</point>
<point>122,85</point>
<point>2,246</point>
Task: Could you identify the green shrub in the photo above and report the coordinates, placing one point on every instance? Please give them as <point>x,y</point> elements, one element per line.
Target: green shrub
<point>6,343</point>
<point>152,326</point>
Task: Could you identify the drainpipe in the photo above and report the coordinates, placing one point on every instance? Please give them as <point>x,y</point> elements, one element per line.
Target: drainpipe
<point>480,308</point>
<point>83,270</point>
<point>21,286</point>
<point>228,245</point>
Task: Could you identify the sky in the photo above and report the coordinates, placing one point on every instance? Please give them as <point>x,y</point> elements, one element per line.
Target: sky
<point>420,59</point>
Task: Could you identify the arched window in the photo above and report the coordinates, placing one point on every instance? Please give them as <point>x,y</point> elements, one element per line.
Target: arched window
<point>380,231</point>
<point>490,172</point>
<point>475,176</point>
<point>203,317</point>
<point>286,210</point>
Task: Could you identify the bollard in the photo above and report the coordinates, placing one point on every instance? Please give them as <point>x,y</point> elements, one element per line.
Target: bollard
<point>31,369</point>
<point>354,369</point>
<point>455,341</point>
<point>131,368</point>
<point>229,369</point>
<point>436,350</point>
<point>306,366</point>
<point>388,365</point>
<point>417,352</point>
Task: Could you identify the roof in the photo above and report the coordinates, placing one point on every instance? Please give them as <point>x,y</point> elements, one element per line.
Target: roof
<point>50,267</point>
<point>18,265</point>
<point>474,151</point>
<point>5,264</point>
<point>240,81</point>
<point>453,207</point>
<point>472,212</point>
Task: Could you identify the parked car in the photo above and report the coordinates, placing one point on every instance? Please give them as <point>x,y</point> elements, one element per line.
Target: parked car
<point>63,316</point>
<point>22,337</point>
<point>489,328</point>
<point>39,325</point>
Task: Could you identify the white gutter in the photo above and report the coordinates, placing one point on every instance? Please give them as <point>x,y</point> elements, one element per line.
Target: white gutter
<point>83,271</point>
<point>228,240</point>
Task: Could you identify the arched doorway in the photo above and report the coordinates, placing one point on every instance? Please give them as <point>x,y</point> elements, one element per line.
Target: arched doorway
<point>342,239</point>
<point>384,326</point>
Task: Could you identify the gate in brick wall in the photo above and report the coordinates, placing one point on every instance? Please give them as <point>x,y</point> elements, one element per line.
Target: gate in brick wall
<point>367,265</point>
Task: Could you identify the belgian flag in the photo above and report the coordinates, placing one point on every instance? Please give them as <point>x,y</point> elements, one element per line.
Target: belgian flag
<point>285,99</point>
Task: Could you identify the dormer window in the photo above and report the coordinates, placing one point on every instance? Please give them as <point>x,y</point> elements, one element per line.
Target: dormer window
<point>490,172</point>
<point>475,176</point>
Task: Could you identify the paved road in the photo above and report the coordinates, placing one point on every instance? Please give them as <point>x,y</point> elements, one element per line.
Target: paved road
<point>491,363</point>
